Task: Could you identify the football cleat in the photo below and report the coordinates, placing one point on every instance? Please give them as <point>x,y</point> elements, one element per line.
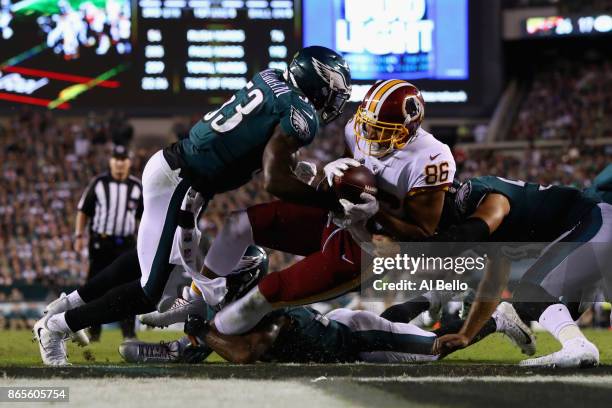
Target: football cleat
<point>52,345</point>
<point>141,352</point>
<point>576,353</point>
<point>510,324</point>
<point>80,338</point>
<point>177,313</point>
<point>177,351</point>
<point>437,300</point>
<point>61,305</point>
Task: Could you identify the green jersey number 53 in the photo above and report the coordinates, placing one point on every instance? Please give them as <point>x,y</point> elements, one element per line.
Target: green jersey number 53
<point>222,122</point>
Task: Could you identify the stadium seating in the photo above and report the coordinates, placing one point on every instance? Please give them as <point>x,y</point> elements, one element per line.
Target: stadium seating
<point>567,100</point>
<point>45,166</point>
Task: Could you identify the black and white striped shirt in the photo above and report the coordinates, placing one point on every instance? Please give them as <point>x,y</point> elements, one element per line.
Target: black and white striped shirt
<point>113,206</point>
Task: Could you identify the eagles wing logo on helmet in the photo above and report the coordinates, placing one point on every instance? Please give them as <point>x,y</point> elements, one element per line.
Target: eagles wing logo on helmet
<point>299,123</point>
<point>248,262</point>
<point>335,79</point>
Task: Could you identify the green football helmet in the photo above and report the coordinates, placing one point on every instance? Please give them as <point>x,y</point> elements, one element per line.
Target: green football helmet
<point>253,266</point>
<point>324,77</point>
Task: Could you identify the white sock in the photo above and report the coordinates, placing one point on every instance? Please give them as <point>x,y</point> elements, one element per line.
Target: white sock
<point>213,290</point>
<point>74,300</point>
<point>57,323</point>
<point>243,314</point>
<point>189,294</point>
<point>557,320</point>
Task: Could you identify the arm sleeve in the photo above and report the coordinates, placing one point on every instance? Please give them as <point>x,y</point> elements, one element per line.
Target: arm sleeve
<point>298,118</point>
<point>87,203</point>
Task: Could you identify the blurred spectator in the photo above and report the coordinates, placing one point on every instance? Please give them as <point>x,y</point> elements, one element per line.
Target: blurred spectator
<point>43,167</point>
<point>575,167</point>
<point>570,99</point>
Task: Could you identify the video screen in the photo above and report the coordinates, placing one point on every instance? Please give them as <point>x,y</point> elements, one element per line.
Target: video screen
<point>56,52</point>
<point>151,54</point>
<point>402,39</point>
<point>186,56</point>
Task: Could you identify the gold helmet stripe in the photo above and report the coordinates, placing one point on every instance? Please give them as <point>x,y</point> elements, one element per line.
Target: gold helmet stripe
<point>378,85</point>
<point>377,95</point>
<point>384,97</point>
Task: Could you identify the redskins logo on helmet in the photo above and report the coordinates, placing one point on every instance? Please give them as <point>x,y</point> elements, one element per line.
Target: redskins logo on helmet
<point>388,117</point>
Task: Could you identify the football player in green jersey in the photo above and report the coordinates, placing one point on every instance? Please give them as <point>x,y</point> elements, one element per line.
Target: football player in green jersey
<point>496,209</point>
<point>258,128</point>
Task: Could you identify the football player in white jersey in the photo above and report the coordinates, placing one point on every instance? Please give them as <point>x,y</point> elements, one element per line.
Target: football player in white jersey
<point>413,170</point>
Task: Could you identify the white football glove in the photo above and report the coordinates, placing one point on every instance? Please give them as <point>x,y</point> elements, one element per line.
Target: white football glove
<point>305,171</point>
<point>337,168</point>
<point>360,212</point>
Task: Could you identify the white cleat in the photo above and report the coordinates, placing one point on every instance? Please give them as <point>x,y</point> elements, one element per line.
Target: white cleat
<point>61,305</point>
<point>51,345</point>
<point>176,314</point>
<point>576,353</point>
<point>80,338</point>
<point>515,329</point>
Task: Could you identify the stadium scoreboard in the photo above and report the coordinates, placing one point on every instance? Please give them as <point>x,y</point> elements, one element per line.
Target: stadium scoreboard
<point>184,52</point>
<point>143,53</point>
<point>183,56</point>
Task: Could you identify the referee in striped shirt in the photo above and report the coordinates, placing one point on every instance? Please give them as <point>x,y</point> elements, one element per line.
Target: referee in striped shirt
<point>112,202</point>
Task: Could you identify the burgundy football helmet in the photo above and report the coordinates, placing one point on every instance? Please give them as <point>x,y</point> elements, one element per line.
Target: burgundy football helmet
<point>388,117</point>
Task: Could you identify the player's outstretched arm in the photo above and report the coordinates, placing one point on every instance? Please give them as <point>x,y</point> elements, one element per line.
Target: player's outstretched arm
<point>424,210</point>
<point>247,348</point>
<point>491,212</point>
<point>488,296</point>
<point>279,179</point>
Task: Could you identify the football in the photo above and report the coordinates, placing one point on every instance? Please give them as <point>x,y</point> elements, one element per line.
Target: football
<point>356,180</point>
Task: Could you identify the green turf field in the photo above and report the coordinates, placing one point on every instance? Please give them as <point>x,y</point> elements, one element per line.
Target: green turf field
<point>18,349</point>
<point>483,375</point>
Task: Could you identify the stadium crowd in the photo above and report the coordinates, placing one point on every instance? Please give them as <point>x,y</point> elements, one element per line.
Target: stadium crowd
<point>567,100</point>
<point>44,167</point>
